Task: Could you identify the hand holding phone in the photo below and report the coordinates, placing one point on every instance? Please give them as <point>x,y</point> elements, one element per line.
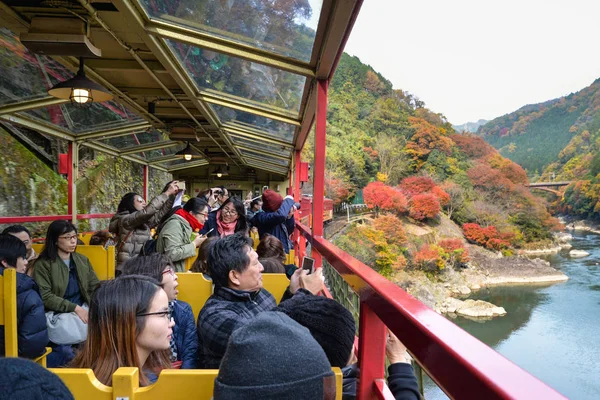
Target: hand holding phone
<point>308,264</point>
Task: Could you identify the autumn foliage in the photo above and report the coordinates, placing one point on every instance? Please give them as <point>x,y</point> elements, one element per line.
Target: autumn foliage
<point>488,237</point>
<point>391,226</point>
<point>423,206</point>
<point>382,197</point>
<point>416,185</point>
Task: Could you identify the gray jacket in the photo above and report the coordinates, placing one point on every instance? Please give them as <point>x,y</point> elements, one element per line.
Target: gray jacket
<point>140,222</point>
<point>174,241</point>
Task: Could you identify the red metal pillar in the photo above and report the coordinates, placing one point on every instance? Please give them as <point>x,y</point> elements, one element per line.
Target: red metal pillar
<point>319,172</point>
<point>295,185</point>
<point>145,187</point>
<point>371,352</point>
<point>70,177</point>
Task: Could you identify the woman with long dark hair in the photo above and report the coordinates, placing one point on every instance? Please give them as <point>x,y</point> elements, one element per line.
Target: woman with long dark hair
<point>178,237</point>
<point>230,218</point>
<point>134,218</point>
<point>130,326</point>
<point>66,281</point>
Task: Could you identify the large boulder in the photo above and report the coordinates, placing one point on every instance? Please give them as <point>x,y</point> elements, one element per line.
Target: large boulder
<point>578,253</point>
<point>471,308</point>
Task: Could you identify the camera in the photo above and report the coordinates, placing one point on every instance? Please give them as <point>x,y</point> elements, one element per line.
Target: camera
<point>218,192</point>
<point>297,205</point>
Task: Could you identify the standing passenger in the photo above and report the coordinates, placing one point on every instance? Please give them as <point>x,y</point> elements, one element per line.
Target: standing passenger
<point>278,218</point>
<point>175,237</point>
<point>130,326</point>
<point>134,218</point>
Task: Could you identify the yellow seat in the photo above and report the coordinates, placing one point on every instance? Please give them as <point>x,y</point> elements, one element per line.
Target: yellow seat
<point>194,289</point>
<point>8,316</point>
<point>276,284</point>
<point>83,383</point>
<point>290,259</point>
<point>172,384</point>
<point>190,261</point>
<point>102,260</point>
<point>85,237</point>
<point>37,247</point>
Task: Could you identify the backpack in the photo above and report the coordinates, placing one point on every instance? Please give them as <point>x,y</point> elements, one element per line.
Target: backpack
<point>148,248</point>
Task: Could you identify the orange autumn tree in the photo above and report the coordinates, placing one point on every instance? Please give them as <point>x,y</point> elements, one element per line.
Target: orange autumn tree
<point>425,138</point>
<point>379,196</point>
<point>423,206</point>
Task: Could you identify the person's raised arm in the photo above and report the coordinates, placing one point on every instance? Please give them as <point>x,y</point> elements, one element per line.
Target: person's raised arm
<point>401,376</point>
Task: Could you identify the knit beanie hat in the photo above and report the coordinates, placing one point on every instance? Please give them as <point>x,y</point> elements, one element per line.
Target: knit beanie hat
<point>272,357</point>
<point>25,380</point>
<point>330,323</point>
<point>271,200</point>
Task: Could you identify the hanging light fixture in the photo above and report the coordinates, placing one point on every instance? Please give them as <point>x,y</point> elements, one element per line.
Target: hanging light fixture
<point>186,152</point>
<point>219,172</point>
<point>80,90</point>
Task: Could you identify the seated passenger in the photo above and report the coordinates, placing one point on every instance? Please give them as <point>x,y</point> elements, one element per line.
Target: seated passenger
<point>66,282</point>
<point>272,248</point>
<point>184,342</point>
<point>26,380</point>
<point>238,296</point>
<point>272,265</point>
<point>200,264</point>
<point>102,238</point>
<point>134,218</point>
<point>22,233</point>
<point>277,218</point>
<point>31,320</point>
<point>130,326</point>
<point>274,358</point>
<point>230,218</point>
<point>178,237</point>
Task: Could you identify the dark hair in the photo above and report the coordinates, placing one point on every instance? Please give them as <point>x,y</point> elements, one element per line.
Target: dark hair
<point>127,203</point>
<point>242,223</point>
<point>11,248</point>
<point>99,238</point>
<point>255,202</point>
<point>56,228</point>
<point>152,266</point>
<point>228,254</point>
<point>272,265</point>
<point>204,194</point>
<point>114,326</point>
<point>200,263</point>
<point>195,205</point>
<point>167,186</point>
<point>16,229</point>
<point>270,246</point>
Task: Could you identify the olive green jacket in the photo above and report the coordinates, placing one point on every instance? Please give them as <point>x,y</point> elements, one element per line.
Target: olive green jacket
<point>52,278</point>
<point>174,241</point>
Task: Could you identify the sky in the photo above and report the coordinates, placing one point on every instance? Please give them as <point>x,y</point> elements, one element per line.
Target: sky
<point>473,60</point>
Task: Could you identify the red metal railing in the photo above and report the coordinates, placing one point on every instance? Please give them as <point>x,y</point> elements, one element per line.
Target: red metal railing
<point>21,219</point>
<point>462,366</point>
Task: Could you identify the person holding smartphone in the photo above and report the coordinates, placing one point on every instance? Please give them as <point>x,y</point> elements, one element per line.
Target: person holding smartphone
<point>277,218</point>
<point>179,236</point>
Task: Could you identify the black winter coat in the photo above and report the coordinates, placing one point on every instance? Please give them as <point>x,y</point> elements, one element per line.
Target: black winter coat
<point>31,319</point>
<point>186,337</point>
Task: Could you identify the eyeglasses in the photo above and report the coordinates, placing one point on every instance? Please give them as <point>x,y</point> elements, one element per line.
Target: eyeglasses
<point>169,271</point>
<point>69,238</point>
<point>229,211</point>
<point>166,314</point>
<point>140,200</point>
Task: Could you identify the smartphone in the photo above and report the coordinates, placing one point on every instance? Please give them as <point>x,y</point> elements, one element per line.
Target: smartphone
<point>181,185</point>
<point>206,234</point>
<point>308,264</point>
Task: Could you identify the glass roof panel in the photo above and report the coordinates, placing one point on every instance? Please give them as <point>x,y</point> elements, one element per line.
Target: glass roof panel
<point>260,146</point>
<point>261,156</point>
<point>283,27</point>
<point>270,127</point>
<point>25,75</point>
<point>244,79</point>
<point>270,168</point>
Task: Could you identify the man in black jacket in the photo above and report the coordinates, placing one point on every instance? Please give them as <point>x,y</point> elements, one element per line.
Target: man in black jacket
<point>31,320</point>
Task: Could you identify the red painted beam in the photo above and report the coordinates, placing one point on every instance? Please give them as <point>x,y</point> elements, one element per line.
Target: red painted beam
<point>382,391</point>
<point>461,365</point>
<point>319,167</point>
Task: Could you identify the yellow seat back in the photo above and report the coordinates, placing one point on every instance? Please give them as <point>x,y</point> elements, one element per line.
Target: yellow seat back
<point>102,260</point>
<point>83,383</point>
<point>190,261</point>
<point>85,237</point>
<point>194,289</point>
<point>172,384</point>
<point>276,284</point>
<point>8,311</point>
<point>37,247</point>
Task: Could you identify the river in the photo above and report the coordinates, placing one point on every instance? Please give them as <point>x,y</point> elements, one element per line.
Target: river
<point>551,331</point>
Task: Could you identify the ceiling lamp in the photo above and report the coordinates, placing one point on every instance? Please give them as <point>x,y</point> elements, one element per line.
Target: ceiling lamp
<point>186,152</point>
<point>219,172</point>
<point>80,90</point>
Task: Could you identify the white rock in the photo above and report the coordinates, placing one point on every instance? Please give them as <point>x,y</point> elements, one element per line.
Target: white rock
<point>464,290</point>
<point>578,253</point>
<point>479,308</point>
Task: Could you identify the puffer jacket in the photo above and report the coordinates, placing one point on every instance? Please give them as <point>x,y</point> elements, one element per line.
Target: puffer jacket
<point>140,222</point>
<point>274,222</point>
<point>186,337</point>
<point>174,241</point>
<point>31,319</point>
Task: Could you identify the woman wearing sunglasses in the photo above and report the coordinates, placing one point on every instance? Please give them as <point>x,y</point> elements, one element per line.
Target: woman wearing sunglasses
<point>130,326</point>
<point>178,238</point>
<point>134,218</point>
<point>184,342</point>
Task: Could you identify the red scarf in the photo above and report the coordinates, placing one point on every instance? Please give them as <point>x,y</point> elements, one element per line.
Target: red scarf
<point>225,229</point>
<point>196,226</point>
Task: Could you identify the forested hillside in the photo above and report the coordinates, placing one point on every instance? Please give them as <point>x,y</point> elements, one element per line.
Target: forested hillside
<point>412,164</point>
<point>536,135</point>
